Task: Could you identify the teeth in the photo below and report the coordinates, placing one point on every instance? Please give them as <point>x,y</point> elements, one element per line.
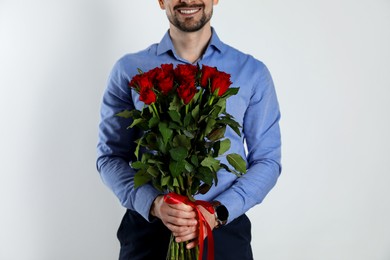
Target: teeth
<point>192,11</point>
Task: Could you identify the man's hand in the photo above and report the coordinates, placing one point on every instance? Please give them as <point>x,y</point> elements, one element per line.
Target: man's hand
<point>210,218</point>
<point>180,218</point>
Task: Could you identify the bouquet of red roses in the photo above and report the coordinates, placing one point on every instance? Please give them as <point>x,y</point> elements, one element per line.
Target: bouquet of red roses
<point>183,122</point>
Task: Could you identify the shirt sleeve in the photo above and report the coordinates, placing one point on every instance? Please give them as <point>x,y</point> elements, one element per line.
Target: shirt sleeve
<point>262,135</point>
<point>116,146</point>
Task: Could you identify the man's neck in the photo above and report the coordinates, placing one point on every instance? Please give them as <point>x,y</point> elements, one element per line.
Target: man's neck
<point>190,45</point>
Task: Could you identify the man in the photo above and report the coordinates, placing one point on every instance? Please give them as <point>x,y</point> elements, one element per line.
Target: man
<point>148,222</point>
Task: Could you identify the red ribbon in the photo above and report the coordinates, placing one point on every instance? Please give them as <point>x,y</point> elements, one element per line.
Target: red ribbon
<point>173,198</point>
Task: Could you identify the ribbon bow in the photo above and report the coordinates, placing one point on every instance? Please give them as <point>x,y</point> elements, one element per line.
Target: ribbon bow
<point>173,198</point>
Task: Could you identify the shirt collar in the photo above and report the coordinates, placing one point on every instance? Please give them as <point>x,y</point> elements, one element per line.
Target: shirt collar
<point>166,44</point>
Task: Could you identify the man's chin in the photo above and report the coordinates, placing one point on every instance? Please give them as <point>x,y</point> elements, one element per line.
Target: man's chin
<point>190,26</point>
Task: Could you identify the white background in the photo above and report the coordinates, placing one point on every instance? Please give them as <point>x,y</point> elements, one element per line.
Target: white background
<point>331,65</point>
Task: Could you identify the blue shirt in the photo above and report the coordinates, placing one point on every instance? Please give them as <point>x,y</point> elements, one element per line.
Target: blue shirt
<point>255,107</point>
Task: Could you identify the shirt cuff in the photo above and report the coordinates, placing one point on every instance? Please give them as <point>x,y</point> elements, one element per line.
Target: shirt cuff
<point>235,209</point>
<point>144,198</point>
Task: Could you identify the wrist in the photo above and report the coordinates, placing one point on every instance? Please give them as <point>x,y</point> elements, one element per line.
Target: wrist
<point>221,214</point>
<point>154,208</point>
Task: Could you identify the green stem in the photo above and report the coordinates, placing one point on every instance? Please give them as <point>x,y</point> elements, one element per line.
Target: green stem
<point>182,254</point>
<point>188,252</point>
<point>189,257</point>
<point>181,184</point>
<point>172,249</point>
<point>155,110</point>
<point>189,195</point>
<point>196,251</point>
<point>211,100</point>
<point>177,190</point>
<point>176,250</point>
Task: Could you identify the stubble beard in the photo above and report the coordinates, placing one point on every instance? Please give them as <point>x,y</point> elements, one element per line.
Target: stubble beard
<point>189,25</point>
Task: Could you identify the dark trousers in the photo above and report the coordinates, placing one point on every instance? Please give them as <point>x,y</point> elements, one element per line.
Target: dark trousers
<point>141,240</point>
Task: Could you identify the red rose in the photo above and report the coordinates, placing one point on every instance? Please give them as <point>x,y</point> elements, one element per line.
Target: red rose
<point>147,96</point>
<point>141,81</point>
<point>186,74</point>
<point>134,81</point>
<point>164,78</point>
<point>207,74</point>
<point>220,81</point>
<point>186,92</point>
<point>152,74</point>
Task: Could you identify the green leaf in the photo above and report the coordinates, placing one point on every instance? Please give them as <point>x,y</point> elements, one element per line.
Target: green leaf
<point>227,115</point>
<point>150,139</point>
<point>174,126</point>
<point>182,140</point>
<point>238,174</point>
<point>156,182</point>
<point>178,153</point>
<point>175,182</point>
<point>204,188</point>
<point>211,163</point>
<point>194,160</point>
<point>175,116</point>
<point>227,120</point>
<point>153,121</point>
<point>129,113</point>
<point>216,111</point>
<point>138,142</point>
<point>187,119</point>
<point>217,134</point>
<point>230,92</point>
<point>226,167</point>
<point>145,157</point>
<point>205,174</point>
<point>196,96</point>
<point>176,168</point>
<point>189,134</point>
<point>175,103</point>
<point>138,165</point>
<point>202,118</point>
<point>141,178</point>
<point>221,147</point>
<point>188,166</point>
<point>181,181</point>
<point>148,112</point>
<point>195,112</point>
<point>153,161</point>
<point>137,122</point>
<point>236,129</point>
<point>153,171</point>
<point>170,187</point>
<point>165,180</point>
<point>195,185</point>
<point>224,146</point>
<point>210,126</point>
<point>215,93</point>
<point>222,104</point>
<point>162,147</point>
<point>237,162</point>
<point>165,132</point>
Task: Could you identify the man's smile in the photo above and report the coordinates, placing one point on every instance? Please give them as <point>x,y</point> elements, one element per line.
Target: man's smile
<point>188,11</point>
